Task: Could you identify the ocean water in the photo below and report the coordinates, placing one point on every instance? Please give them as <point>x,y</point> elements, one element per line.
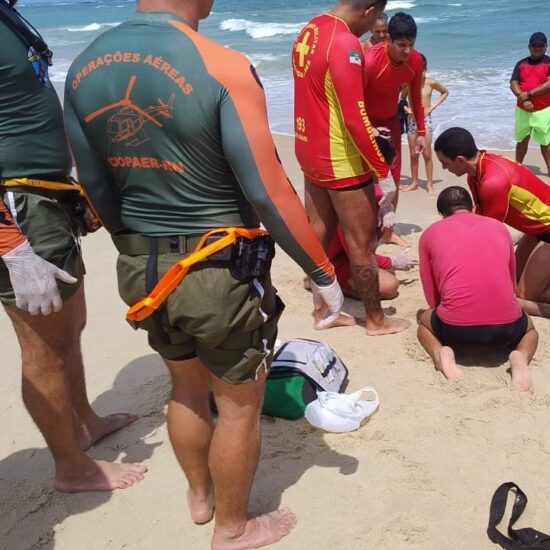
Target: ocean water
<point>471,46</point>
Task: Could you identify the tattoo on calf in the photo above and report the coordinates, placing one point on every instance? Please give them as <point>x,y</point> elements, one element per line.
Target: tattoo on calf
<point>365,279</point>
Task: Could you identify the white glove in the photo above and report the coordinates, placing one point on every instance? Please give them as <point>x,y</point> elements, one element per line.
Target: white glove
<point>34,280</point>
<point>403,261</point>
<point>329,296</point>
<point>386,216</point>
<point>387,186</point>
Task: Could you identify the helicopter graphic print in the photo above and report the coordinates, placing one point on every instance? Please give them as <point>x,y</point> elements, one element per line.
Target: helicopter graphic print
<point>128,123</point>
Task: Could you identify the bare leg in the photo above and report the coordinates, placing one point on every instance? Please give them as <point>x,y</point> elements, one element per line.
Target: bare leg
<point>442,356</point>
<point>233,459</point>
<point>324,220</point>
<point>536,309</point>
<point>545,150</point>
<point>89,427</point>
<point>525,247</point>
<point>521,357</point>
<point>388,282</point>
<point>320,211</point>
<point>414,164</point>
<point>534,284</point>
<point>190,431</point>
<point>427,154</point>
<point>356,209</point>
<point>390,236</point>
<point>45,346</point>
<point>521,149</point>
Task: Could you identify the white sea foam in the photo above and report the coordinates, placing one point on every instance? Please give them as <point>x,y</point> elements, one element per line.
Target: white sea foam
<point>397,5</point>
<point>260,30</point>
<point>426,19</point>
<point>58,72</point>
<point>91,27</point>
<point>258,58</point>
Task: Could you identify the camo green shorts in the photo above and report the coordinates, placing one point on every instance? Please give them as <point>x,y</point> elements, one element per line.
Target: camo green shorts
<point>231,326</point>
<point>52,230</point>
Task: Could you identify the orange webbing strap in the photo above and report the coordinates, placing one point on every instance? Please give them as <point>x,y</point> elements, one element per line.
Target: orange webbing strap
<point>91,220</point>
<point>173,277</point>
<point>41,184</point>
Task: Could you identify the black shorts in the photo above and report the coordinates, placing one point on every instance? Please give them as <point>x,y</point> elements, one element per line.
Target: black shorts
<point>355,187</point>
<point>498,338</point>
<point>545,238</point>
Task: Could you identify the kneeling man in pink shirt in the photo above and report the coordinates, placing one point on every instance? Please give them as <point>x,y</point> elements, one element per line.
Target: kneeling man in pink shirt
<point>468,273</point>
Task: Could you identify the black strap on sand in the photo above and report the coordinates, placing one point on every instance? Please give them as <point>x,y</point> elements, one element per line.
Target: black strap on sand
<point>15,21</point>
<point>518,539</point>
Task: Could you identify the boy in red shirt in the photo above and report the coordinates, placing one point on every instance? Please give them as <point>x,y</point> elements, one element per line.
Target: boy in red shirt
<point>389,67</point>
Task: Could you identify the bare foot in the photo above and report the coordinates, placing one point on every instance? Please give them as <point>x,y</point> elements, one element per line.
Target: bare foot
<point>321,322</point>
<point>99,475</point>
<point>202,509</point>
<point>394,238</point>
<point>391,325</point>
<point>92,431</point>
<point>430,190</point>
<point>258,531</point>
<point>410,187</point>
<point>521,377</point>
<point>447,364</point>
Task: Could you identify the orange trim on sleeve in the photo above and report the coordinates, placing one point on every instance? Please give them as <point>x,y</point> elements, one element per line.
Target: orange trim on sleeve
<point>233,71</point>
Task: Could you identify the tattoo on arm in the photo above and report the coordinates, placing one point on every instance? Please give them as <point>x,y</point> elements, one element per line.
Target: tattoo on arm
<point>365,279</point>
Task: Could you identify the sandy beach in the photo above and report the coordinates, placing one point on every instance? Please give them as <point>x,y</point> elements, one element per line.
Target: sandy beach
<point>419,475</point>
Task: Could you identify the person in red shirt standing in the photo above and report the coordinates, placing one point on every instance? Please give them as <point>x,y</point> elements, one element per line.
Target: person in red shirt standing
<point>389,66</point>
<point>336,145</point>
<point>473,307</point>
<point>509,192</point>
<point>530,83</point>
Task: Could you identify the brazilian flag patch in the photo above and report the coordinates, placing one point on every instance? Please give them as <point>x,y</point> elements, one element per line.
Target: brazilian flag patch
<point>355,57</point>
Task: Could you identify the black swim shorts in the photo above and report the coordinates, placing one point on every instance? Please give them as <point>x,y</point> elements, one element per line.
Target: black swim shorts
<point>498,338</point>
<point>355,187</point>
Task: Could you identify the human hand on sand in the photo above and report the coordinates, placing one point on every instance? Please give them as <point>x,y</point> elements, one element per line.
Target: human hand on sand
<point>403,261</point>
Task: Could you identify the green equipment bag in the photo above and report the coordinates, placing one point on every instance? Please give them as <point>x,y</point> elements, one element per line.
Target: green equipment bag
<point>300,367</point>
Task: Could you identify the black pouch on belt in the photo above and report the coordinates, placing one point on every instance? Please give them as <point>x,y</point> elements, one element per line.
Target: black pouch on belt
<point>87,223</point>
<point>252,257</point>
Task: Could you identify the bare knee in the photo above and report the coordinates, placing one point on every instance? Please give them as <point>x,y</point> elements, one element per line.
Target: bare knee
<point>389,285</point>
<point>425,319</point>
<point>39,362</point>
<point>240,402</point>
